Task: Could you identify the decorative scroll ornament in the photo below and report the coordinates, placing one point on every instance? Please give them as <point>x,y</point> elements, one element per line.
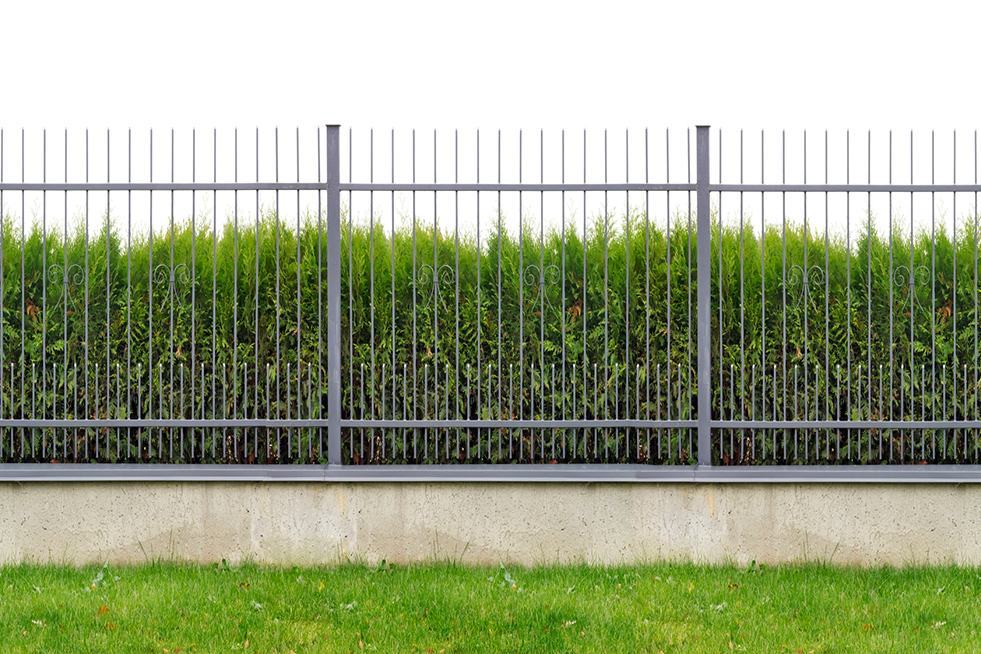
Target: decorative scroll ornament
<point>170,276</point>
<point>538,277</point>
<point>902,277</point>
<point>442,275</point>
<point>800,276</point>
<point>74,276</point>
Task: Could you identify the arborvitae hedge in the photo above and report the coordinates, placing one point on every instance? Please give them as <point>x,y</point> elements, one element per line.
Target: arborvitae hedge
<point>586,310</point>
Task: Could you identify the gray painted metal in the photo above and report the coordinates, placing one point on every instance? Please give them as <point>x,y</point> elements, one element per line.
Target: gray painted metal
<point>413,418</point>
<point>846,188</point>
<point>334,294</point>
<point>167,186</point>
<point>526,187</point>
<point>704,300</point>
<point>488,473</point>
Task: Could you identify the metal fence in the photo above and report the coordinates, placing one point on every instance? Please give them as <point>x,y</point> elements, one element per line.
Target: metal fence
<point>516,324</point>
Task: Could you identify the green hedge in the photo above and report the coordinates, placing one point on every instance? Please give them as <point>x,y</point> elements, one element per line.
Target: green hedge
<point>590,313</point>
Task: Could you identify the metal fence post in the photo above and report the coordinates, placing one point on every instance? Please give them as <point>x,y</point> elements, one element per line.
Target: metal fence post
<point>704,296</point>
<point>333,294</point>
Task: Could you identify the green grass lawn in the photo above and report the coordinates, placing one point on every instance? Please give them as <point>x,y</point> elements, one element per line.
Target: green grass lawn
<point>443,608</point>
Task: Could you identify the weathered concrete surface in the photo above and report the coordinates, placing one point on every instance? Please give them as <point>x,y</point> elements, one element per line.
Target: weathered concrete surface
<point>293,523</point>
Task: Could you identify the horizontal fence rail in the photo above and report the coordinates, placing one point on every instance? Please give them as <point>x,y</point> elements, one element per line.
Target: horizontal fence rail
<point>498,301</point>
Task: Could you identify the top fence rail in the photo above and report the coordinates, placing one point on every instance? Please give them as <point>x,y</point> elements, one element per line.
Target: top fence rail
<point>531,305</point>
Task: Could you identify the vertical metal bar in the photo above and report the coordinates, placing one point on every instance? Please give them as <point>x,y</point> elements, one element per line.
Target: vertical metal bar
<point>278,367</point>
<point>521,297</point>
<point>752,409</point>
<point>704,298</point>
<point>23,296</point>
<point>805,301</point>
<point>371,274</point>
<point>194,177</point>
<point>595,409</point>
<point>405,412</point>
<point>456,237</point>
<point>606,293</point>
<point>553,410</point>
<point>435,310</point>
<point>869,280</point>
<point>541,271</point>
<point>912,312</point>
<point>446,408</point>
<point>393,301</point>
<point>235,292</point>
<point>721,360</point>
<point>214,288</point>
<point>118,416</point>
<point>923,415</point>
<point>245,414</point>
<point>827,296</point>
<point>415,308</point>
<point>44,280</point>
<point>783,280</point>
<point>585,356</point>
<point>268,415</point>
<point>732,398</point>
<point>500,369</point>
<point>64,307</point>
<point>575,432</point>
<point>160,413</point>
<point>309,409</point>
<point>96,413</point>
<point>149,367</point>
<point>85,369</point>
<point>333,295</point>
<point>891,306</point>
<point>181,451</point>
<point>775,417</point>
<point>626,300</point>
<point>658,410</point>
<point>479,306</point>
<point>933,292</point>
<point>299,331</point>
<point>320,304</point>
<point>258,365</point>
<point>796,393</point>
<point>202,410</point>
<point>108,322</point>
<point>2,298</point>
<point>763,286</point>
<point>848,283</point>
<point>943,405</point>
<point>742,307</point>
<point>647,290</point>
<point>953,292</point>
<point>171,292</point>
<point>691,306</point>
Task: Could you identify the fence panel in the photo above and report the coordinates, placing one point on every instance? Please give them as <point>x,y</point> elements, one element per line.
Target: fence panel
<point>846,326</point>
<point>174,321</point>
<point>516,316</point>
<point>612,303</point>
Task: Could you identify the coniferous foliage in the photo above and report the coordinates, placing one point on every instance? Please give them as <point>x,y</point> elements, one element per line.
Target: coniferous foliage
<point>435,324</point>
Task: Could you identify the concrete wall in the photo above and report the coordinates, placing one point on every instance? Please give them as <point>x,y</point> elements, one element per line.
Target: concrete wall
<point>300,523</point>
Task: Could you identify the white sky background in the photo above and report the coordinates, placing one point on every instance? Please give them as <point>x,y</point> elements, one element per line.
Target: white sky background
<point>489,66</point>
